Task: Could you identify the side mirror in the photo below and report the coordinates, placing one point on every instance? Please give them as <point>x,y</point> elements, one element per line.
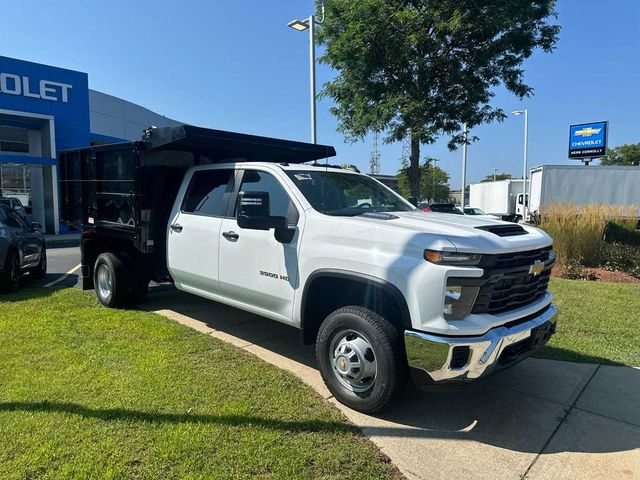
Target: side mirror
<point>253,212</point>
<point>35,226</point>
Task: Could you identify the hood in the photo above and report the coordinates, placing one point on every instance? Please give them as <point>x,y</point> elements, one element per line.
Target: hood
<point>462,231</point>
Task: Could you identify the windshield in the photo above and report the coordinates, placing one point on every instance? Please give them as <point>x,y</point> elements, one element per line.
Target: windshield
<point>346,194</point>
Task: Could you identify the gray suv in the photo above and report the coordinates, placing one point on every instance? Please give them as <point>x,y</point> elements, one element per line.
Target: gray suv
<point>22,249</point>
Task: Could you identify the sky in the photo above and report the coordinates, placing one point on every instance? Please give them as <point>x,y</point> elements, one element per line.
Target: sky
<point>234,65</point>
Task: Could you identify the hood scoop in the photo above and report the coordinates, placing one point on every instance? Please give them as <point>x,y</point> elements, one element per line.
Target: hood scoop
<point>504,230</point>
<point>379,215</point>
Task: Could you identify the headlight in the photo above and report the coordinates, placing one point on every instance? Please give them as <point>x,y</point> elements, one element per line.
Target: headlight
<point>458,300</point>
<point>452,258</point>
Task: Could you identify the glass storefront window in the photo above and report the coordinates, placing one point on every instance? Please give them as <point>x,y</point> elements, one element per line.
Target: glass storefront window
<point>14,139</point>
<point>15,181</point>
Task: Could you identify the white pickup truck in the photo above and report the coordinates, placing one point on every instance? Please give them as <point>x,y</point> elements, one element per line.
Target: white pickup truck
<point>381,288</point>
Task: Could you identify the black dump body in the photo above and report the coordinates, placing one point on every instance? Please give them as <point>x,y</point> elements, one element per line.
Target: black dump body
<point>121,194</point>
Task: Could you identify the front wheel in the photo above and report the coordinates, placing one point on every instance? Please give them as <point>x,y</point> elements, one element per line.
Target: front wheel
<point>360,356</point>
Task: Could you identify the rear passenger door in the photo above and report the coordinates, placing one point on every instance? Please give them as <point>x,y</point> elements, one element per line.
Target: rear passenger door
<point>194,231</point>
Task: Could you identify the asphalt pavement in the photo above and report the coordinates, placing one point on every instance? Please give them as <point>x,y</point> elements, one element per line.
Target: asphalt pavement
<point>63,269</point>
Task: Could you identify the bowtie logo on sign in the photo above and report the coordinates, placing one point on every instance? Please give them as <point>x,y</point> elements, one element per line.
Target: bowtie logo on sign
<point>12,84</point>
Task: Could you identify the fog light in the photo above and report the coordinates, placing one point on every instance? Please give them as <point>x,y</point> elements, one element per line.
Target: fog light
<point>458,300</point>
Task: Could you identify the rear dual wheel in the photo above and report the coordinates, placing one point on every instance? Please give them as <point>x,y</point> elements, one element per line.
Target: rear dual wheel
<point>115,284</point>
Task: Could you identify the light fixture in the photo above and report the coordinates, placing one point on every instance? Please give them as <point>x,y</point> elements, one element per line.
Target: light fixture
<point>300,25</point>
<point>517,112</point>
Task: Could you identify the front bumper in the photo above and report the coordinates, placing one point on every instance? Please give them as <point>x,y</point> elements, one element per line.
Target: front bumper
<point>453,359</point>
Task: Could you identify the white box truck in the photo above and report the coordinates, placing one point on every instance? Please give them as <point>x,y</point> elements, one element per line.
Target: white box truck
<point>582,185</point>
<point>502,198</point>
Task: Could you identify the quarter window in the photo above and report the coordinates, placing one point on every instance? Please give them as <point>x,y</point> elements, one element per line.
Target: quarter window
<point>208,192</point>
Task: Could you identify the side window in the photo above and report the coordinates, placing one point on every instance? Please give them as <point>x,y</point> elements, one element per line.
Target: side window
<point>208,192</point>
<point>13,220</point>
<point>280,205</point>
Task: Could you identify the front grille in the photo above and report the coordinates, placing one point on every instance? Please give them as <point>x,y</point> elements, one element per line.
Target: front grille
<point>520,259</point>
<point>509,284</point>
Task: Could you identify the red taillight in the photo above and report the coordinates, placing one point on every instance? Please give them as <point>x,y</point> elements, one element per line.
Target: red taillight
<point>426,209</point>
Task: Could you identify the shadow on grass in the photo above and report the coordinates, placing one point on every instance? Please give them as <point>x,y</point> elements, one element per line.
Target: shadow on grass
<point>556,353</point>
<point>27,293</point>
<point>119,414</point>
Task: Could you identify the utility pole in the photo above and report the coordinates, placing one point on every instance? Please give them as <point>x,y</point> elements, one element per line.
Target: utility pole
<point>494,174</point>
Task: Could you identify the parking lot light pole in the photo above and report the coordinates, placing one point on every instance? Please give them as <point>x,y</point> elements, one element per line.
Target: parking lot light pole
<point>301,26</point>
<point>524,112</point>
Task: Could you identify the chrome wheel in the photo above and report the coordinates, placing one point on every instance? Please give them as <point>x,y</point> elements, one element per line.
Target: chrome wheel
<point>353,360</point>
<point>105,282</point>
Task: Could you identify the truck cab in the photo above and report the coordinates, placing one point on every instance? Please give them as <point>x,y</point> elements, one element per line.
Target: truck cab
<point>383,289</point>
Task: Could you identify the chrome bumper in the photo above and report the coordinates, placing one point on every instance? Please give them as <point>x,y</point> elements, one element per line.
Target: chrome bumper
<point>467,358</point>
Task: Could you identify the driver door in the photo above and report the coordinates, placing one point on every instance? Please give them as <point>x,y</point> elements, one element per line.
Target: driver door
<point>255,269</point>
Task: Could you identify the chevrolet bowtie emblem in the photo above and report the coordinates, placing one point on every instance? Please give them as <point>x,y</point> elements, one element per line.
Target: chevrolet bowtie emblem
<point>536,268</point>
<point>587,132</point>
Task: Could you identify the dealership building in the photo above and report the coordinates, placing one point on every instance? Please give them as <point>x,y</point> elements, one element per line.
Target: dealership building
<point>44,110</point>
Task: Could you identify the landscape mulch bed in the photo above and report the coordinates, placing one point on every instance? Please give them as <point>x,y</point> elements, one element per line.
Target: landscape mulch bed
<point>599,274</point>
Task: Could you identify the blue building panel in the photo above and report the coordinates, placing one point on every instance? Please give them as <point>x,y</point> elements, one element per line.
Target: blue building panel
<point>46,90</point>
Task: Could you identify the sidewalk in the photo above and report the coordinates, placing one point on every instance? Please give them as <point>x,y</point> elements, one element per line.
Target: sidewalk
<point>542,419</point>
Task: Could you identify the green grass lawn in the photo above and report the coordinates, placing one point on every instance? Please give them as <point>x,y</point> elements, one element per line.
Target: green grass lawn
<point>598,322</point>
<point>87,392</point>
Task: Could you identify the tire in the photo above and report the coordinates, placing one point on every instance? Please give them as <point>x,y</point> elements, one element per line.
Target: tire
<point>40,271</point>
<point>111,280</point>
<point>361,359</point>
<point>10,280</point>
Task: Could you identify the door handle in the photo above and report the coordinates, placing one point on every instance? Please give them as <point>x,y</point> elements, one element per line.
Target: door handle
<point>230,235</point>
<point>176,227</point>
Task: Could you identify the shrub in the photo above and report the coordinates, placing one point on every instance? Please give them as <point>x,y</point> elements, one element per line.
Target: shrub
<point>619,256</point>
<point>578,231</point>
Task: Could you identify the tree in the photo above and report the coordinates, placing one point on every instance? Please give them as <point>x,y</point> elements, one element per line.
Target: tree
<point>498,176</point>
<point>419,69</point>
<point>628,154</point>
<point>434,182</point>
